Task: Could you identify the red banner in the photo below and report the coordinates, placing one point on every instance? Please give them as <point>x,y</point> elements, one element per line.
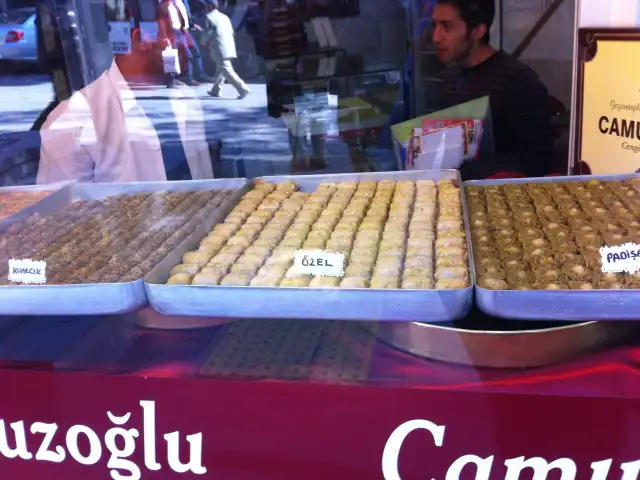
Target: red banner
<point>67,426</point>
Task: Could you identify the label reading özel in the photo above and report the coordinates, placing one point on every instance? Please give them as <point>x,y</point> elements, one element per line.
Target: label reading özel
<point>27,271</point>
<point>621,258</point>
<point>319,263</point>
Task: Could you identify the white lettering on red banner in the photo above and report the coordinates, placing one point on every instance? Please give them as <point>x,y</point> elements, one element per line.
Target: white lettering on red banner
<point>518,468</point>
<point>85,446</point>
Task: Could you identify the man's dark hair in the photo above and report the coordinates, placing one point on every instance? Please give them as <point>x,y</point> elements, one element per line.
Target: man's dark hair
<point>474,13</point>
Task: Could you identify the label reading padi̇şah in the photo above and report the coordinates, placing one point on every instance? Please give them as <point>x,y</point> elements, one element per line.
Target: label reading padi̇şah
<point>621,258</point>
<point>27,271</point>
<point>319,263</point>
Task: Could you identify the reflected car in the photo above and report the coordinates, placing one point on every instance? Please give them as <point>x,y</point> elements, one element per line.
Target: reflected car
<point>18,41</point>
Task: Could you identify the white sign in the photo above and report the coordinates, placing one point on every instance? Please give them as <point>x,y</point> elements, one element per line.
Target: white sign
<point>27,271</point>
<point>120,36</point>
<point>621,258</point>
<point>319,263</point>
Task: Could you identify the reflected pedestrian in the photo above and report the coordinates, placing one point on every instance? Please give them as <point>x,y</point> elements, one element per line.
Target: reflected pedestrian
<point>223,44</point>
<point>200,73</point>
<point>173,31</point>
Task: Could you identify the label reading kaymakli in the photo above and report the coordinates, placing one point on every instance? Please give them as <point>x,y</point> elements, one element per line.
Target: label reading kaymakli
<point>27,271</point>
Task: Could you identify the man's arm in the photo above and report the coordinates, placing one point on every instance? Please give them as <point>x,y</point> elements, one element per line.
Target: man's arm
<point>161,19</point>
<point>530,124</point>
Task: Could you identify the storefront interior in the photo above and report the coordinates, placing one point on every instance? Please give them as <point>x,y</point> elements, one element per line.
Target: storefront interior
<point>281,254</point>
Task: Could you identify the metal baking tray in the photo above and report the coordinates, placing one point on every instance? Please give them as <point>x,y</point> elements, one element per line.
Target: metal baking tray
<point>310,303</point>
<point>94,298</point>
<point>505,348</point>
<point>54,188</point>
<point>567,305</point>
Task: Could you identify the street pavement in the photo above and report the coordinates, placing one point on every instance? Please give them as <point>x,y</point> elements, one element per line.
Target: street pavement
<point>248,135</point>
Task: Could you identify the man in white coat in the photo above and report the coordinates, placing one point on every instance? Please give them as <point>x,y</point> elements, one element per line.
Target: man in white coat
<point>101,134</point>
<point>223,44</point>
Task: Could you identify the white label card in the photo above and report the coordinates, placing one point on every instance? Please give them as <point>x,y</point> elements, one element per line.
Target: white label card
<point>621,258</point>
<point>27,271</point>
<point>319,263</point>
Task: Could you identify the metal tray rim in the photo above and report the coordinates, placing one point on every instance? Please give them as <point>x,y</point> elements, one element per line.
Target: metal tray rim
<point>505,350</point>
<point>320,176</point>
<point>504,332</point>
<point>54,187</point>
<point>297,289</point>
<point>557,292</point>
<point>559,179</point>
<point>74,285</point>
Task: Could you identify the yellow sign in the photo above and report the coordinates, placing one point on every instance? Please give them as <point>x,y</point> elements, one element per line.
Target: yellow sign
<point>608,102</point>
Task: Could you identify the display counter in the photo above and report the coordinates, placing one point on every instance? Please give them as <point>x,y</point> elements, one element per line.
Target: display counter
<point>297,399</point>
<point>333,376</point>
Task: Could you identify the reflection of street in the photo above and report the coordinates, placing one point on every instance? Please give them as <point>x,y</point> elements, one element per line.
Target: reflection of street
<point>253,143</point>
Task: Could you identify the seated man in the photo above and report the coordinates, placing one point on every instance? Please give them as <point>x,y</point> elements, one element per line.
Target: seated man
<point>520,118</point>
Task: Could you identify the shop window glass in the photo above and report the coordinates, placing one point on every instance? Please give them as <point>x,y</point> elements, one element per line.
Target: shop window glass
<point>176,166</point>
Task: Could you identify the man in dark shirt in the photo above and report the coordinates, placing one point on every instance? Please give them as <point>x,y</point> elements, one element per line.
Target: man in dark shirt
<point>520,122</point>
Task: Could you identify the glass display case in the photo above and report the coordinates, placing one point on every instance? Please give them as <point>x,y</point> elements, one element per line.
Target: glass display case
<point>215,260</point>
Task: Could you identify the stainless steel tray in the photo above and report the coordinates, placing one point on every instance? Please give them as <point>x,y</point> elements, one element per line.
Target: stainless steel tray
<point>29,209</point>
<point>505,349</point>
<point>98,298</point>
<point>567,305</point>
<point>309,303</point>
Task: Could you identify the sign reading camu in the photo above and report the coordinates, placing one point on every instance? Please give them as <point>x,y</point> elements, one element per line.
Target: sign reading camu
<point>607,117</point>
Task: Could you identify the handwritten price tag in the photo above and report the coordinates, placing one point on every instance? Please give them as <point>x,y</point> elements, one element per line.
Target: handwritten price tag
<point>27,271</point>
<point>621,258</point>
<point>319,263</point>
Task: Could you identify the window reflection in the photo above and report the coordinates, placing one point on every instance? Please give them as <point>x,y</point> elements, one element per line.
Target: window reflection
<point>309,86</point>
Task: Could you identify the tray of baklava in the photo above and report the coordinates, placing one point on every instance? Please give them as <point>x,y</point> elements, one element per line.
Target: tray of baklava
<point>538,246</point>
<point>400,238</point>
<point>86,248</point>
<point>17,198</point>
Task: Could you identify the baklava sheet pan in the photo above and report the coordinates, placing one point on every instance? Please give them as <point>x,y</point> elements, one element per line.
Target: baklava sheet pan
<point>536,244</point>
<point>406,247</point>
<point>99,240</point>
